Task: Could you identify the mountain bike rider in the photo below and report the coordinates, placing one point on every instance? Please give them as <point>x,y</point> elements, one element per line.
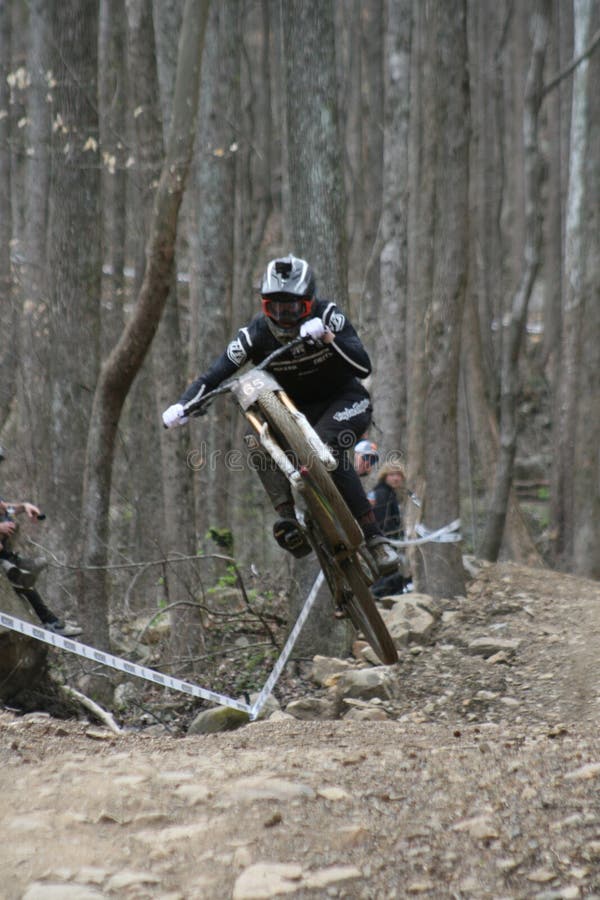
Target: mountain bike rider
<point>322,376</point>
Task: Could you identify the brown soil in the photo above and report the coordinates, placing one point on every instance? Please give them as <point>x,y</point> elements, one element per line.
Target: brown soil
<point>483,782</point>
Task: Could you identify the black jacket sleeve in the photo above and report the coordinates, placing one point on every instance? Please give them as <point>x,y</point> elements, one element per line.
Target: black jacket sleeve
<point>347,344</point>
<point>234,357</point>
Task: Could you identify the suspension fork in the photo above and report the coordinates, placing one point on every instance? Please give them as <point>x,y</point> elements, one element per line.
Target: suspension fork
<point>278,456</point>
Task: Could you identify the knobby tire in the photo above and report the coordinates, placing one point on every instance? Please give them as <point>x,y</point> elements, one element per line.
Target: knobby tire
<point>365,616</point>
<point>360,607</point>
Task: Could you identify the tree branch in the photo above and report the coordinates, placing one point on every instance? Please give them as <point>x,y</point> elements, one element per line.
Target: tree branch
<point>101,714</point>
<point>572,65</point>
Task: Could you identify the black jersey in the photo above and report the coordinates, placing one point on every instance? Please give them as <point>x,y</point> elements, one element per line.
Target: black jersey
<point>307,373</point>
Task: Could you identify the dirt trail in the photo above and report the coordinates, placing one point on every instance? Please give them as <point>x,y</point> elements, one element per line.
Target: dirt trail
<point>484,782</point>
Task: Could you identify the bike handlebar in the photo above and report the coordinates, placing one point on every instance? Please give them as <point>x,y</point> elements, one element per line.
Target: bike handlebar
<point>198,408</point>
<point>279,351</point>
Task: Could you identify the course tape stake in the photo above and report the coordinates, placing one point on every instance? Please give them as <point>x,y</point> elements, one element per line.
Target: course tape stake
<point>289,644</point>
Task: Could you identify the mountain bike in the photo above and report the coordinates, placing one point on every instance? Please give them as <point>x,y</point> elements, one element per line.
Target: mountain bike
<point>332,531</point>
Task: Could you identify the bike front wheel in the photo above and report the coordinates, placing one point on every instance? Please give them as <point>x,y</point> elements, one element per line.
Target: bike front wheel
<point>365,616</point>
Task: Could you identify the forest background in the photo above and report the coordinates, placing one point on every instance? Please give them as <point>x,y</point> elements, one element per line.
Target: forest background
<point>437,162</point>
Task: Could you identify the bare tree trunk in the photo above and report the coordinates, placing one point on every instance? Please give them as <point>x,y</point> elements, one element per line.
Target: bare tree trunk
<point>112,102</point>
<point>34,350</point>
<point>316,210</point>
<point>447,127</point>
<point>586,488</point>
<point>166,15</point>
<point>17,111</point>
<point>74,263</point>
<point>120,368</point>
<point>178,537</point>
<point>255,165</point>
<point>557,104</point>
<point>279,91</point>
<point>390,337</point>
<point>213,247</point>
<point>314,146</point>
<point>351,127</point>
<point>514,322</point>
<point>169,366</point>
<point>23,662</point>
<point>577,504</point>
<point>478,411</point>
<point>373,48</point>
<point>8,347</point>
<point>487,26</point>
<point>562,501</point>
<point>483,441</point>
<point>257,180</point>
<point>560,101</point>
<point>516,63</point>
<point>145,478</point>
<point>419,273</point>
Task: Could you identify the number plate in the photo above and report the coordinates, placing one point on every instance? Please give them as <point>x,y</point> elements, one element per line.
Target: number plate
<point>248,387</point>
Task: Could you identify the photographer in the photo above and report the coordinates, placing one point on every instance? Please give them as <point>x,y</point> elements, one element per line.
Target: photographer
<point>22,571</point>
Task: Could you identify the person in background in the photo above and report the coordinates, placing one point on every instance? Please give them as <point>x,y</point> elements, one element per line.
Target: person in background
<point>384,499</point>
<point>366,457</point>
<point>22,571</point>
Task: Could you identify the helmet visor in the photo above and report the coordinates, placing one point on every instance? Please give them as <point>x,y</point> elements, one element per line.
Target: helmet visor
<point>286,311</point>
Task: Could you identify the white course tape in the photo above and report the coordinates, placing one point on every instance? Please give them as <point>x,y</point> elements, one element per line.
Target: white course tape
<point>167,681</point>
<point>447,534</point>
<point>116,662</point>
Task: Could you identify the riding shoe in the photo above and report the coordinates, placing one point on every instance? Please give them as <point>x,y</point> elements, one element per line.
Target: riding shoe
<point>65,629</point>
<point>289,535</point>
<point>386,558</point>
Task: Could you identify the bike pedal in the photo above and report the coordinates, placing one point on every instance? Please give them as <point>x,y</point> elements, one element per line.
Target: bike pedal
<point>288,534</point>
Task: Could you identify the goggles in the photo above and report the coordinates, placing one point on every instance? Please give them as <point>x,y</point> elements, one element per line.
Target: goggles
<point>286,311</point>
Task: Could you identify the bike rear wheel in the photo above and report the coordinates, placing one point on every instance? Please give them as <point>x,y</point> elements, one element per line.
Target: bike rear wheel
<point>365,616</point>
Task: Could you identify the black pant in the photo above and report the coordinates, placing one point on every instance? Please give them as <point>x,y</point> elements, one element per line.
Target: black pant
<point>340,423</point>
<point>45,615</point>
